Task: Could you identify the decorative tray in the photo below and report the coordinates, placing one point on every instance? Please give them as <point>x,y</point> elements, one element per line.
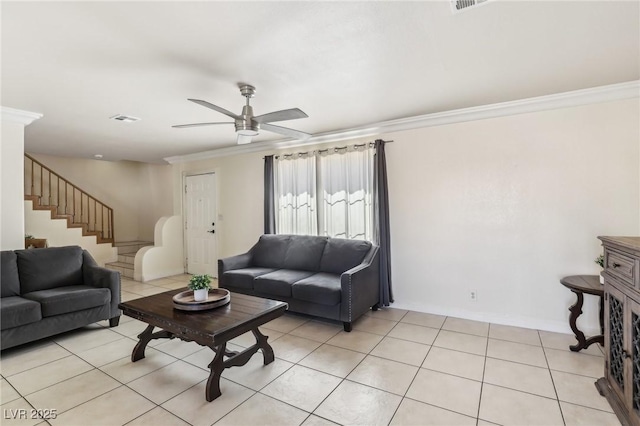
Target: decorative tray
<point>185,301</point>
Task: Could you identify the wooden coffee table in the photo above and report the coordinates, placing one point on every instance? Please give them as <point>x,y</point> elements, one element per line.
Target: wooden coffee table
<point>212,328</point>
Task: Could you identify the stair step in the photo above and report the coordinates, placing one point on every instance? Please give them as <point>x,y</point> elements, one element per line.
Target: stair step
<point>126,258</point>
<point>131,247</point>
<point>120,265</point>
<point>61,210</point>
<point>125,269</point>
<point>133,243</point>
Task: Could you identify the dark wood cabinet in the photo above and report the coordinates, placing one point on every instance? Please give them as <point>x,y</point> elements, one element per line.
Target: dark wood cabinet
<point>621,381</point>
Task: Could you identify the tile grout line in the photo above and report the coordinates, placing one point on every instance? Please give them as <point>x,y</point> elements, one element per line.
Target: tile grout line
<point>342,379</point>
<point>484,370</point>
<point>553,382</point>
<point>417,372</point>
<point>91,399</point>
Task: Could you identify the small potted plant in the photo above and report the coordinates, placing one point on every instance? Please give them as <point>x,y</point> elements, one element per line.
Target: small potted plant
<point>200,284</point>
<point>600,261</point>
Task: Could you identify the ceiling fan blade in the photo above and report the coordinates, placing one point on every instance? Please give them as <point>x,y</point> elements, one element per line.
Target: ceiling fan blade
<point>243,139</point>
<point>285,114</point>
<point>296,134</point>
<point>216,108</point>
<point>182,126</point>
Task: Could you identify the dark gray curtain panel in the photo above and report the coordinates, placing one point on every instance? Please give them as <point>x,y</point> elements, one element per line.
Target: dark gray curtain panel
<point>384,236</point>
<point>269,206</point>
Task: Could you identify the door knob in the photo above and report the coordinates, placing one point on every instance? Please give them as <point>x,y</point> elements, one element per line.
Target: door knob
<point>212,231</point>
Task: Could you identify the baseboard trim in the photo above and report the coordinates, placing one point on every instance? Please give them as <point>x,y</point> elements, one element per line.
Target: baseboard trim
<point>495,318</point>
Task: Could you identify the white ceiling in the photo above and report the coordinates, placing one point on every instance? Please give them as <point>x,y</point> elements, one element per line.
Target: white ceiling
<point>346,64</point>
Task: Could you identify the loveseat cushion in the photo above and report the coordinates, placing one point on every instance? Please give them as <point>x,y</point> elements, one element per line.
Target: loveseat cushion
<point>323,288</point>
<point>341,254</point>
<point>47,268</point>
<point>62,300</point>
<point>304,252</point>
<point>278,283</point>
<point>10,284</point>
<point>270,251</point>
<point>243,278</point>
<point>16,311</point>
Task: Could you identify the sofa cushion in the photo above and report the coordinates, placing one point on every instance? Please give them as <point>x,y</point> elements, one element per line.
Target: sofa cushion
<point>42,269</point>
<point>278,283</point>
<point>304,252</point>
<point>16,311</point>
<point>10,284</point>
<point>341,254</point>
<point>243,278</point>
<point>62,300</point>
<point>270,251</point>
<point>323,288</point>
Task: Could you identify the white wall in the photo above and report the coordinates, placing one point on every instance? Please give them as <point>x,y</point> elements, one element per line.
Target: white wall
<point>239,182</point>
<point>508,206</point>
<point>503,206</point>
<point>166,257</point>
<point>139,193</point>
<point>12,175</point>
<point>155,184</point>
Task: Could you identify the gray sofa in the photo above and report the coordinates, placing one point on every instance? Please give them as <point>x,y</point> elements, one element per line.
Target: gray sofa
<point>332,278</point>
<point>52,290</point>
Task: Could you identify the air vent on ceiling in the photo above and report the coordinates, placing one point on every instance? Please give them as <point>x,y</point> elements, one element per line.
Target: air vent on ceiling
<point>125,118</point>
<point>460,5</point>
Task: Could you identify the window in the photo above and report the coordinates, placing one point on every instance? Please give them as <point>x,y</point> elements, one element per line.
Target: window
<point>326,193</point>
<point>295,195</point>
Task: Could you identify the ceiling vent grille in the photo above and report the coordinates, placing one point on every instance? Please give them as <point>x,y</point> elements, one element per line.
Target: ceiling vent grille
<point>125,118</point>
<point>460,5</point>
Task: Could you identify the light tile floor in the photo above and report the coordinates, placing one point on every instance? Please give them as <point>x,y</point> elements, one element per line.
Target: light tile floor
<point>396,367</point>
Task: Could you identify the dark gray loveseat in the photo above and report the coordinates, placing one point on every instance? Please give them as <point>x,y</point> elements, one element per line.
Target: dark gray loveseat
<point>51,290</point>
<point>332,278</point>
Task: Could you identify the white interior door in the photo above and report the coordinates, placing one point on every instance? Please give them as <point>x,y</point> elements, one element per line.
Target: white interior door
<point>200,227</point>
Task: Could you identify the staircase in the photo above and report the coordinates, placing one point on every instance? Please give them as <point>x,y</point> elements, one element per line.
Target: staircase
<point>126,256</point>
<point>47,190</point>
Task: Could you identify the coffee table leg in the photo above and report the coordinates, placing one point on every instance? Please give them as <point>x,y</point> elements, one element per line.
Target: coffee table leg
<point>145,338</point>
<point>576,310</point>
<point>267,350</point>
<point>212,390</point>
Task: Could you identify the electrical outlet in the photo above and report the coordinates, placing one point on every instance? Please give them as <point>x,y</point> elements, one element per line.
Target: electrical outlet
<point>473,295</point>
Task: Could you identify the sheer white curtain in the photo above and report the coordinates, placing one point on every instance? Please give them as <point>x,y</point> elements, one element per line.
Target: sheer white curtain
<point>345,188</point>
<point>295,195</point>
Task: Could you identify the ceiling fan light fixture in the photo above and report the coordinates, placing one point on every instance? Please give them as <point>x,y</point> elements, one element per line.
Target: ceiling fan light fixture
<point>247,132</point>
<point>246,128</point>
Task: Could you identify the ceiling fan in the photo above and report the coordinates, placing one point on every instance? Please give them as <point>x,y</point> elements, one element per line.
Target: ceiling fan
<point>248,125</point>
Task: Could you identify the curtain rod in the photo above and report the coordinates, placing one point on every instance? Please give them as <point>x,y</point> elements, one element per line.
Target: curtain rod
<point>336,149</point>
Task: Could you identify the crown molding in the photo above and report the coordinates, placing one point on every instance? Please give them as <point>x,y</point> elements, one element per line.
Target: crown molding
<point>574,98</point>
<point>19,116</point>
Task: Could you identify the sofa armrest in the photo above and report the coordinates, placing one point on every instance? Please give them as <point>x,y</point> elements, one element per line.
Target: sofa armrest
<point>96,276</point>
<point>234,262</point>
<point>360,287</point>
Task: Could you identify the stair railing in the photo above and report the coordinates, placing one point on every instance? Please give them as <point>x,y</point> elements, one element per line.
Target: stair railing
<point>53,190</point>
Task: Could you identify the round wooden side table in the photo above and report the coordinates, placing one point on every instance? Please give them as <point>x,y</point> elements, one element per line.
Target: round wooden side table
<point>584,284</point>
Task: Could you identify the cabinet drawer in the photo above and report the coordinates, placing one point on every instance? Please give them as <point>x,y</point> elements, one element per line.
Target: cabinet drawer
<point>621,266</point>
